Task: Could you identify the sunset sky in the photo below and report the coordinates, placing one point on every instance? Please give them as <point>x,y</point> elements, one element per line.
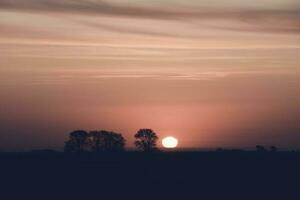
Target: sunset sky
<point>212,73</point>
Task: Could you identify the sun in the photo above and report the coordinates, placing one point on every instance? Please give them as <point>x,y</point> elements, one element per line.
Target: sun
<point>169,142</point>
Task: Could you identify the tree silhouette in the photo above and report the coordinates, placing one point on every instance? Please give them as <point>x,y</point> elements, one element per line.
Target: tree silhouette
<point>273,149</point>
<point>106,141</point>
<point>77,142</point>
<point>146,140</point>
<point>260,148</point>
<point>70,146</point>
<point>96,140</point>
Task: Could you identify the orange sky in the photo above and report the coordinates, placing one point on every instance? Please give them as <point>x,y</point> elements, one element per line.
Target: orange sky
<point>211,76</point>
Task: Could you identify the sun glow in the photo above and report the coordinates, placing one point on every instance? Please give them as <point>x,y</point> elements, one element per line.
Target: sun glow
<point>169,142</point>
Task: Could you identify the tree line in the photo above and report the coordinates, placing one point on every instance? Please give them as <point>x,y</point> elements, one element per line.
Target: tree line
<point>109,141</point>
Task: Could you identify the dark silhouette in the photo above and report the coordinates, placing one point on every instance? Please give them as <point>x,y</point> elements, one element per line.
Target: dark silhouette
<point>77,142</point>
<point>170,175</point>
<point>182,174</point>
<point>106,141</point>
<point>273,149</point>
<point>146,140</point>
<point>260,148</point>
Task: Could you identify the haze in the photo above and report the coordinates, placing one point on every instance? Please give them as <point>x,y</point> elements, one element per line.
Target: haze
<point>210,73</point>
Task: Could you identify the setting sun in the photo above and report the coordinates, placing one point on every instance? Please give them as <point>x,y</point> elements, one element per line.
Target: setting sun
<point>169,142</point>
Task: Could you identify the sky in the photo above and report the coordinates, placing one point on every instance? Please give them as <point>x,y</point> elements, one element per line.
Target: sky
<point>210,73</point>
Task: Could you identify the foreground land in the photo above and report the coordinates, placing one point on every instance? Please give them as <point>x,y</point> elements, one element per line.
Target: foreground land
<point>133,175</point>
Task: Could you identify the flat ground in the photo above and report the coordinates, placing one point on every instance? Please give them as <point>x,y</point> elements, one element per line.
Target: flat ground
<point>131,175</point>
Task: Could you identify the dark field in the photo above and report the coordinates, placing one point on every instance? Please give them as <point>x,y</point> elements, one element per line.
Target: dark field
<point>133,175</point>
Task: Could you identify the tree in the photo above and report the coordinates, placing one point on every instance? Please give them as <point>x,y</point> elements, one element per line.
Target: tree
<point>69,146</point>
<point>106,141</point>
<point>260,148</point>
<point>273,149</point>
<point>77,142</point>
<point>146,140</point>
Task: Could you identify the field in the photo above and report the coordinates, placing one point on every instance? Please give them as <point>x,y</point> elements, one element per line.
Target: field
<point>162,175</point>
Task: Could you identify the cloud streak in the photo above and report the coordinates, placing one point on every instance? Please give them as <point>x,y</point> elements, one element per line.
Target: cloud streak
<point>176,66</point>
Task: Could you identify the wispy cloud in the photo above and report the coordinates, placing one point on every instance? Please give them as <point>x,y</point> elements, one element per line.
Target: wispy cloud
<point>206,68</point>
